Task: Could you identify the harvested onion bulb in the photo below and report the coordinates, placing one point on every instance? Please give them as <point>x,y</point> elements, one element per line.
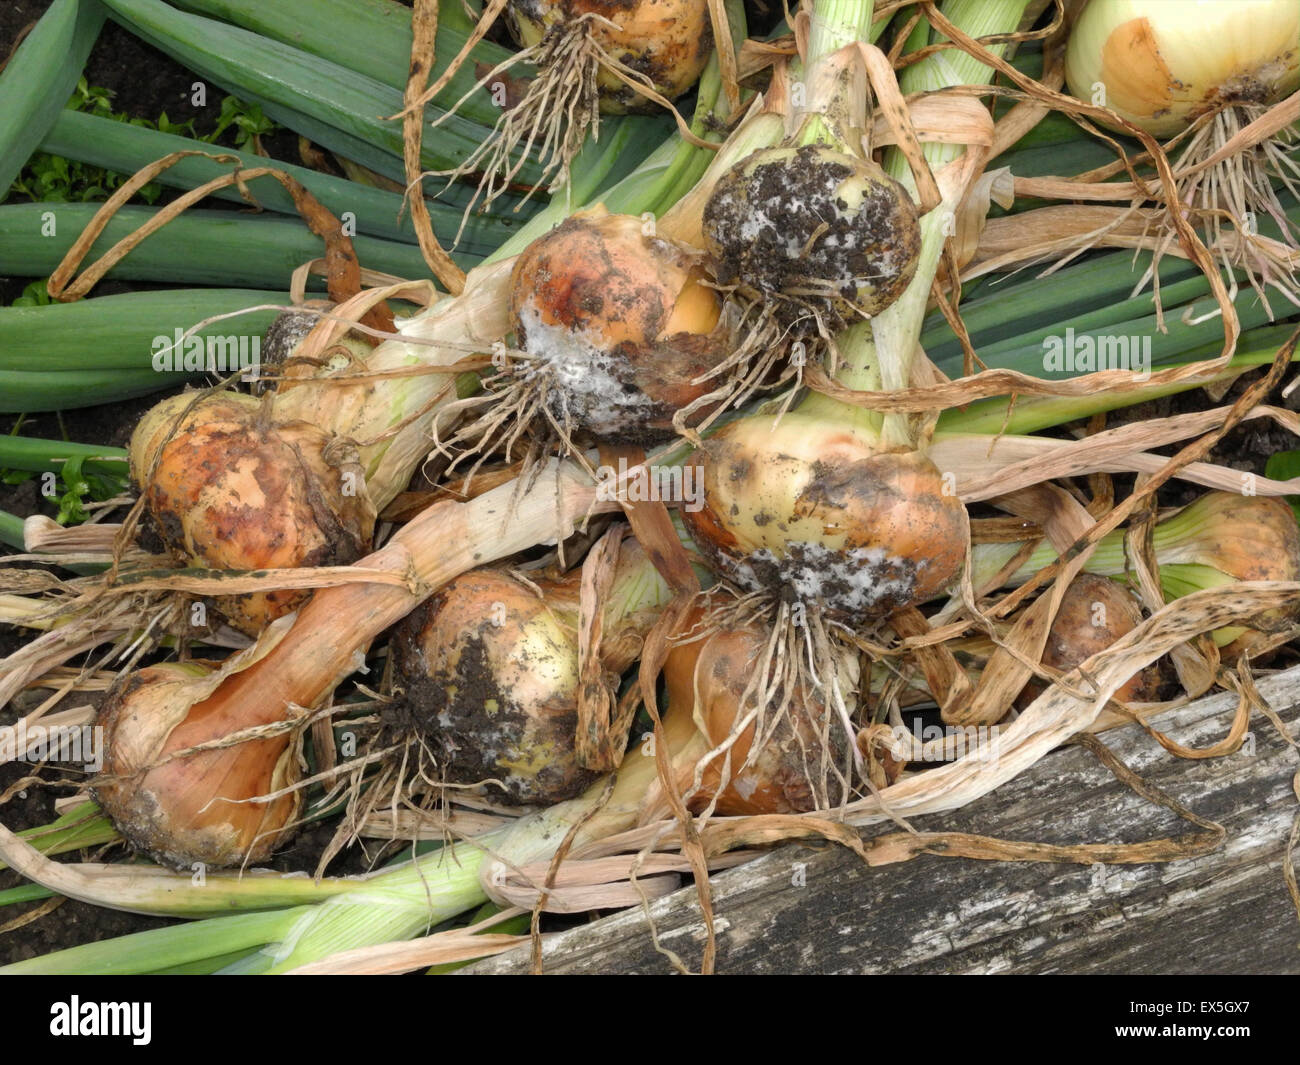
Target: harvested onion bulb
<point>667,42</point>
<point>1210,69</point>
<point>1095,612</point>
<point>491,673</point>
<point>1216,540</point>
<point>491,680</point>
<point>618,324</point>
<point>823,514</point>
<point>182,810</point>
<point>1163,65</point>
<point>830,235</point>
<point>230,489</point>
<point>794,771</point>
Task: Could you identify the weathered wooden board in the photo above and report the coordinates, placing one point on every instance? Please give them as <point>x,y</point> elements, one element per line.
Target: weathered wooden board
<point>1224,912</point>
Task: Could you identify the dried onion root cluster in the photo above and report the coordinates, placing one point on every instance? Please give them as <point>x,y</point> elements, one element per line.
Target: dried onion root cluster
<point>591,57</point>
<point>771,749</point>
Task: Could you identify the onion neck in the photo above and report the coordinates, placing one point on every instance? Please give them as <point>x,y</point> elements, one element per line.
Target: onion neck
<point>836,24</point>
<point>858,369</point>
<point>897,329</point>
<point>834,101</point>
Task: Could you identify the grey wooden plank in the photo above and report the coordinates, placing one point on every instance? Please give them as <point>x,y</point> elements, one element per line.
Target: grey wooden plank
<point>1224,912</point>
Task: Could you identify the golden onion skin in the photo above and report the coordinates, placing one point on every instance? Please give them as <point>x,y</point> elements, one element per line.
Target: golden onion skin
<point>1164,64</point>
<point>668,41</point>
<point>1245,538</point>
<point>158,422</point>
<point>710,676</point>
<point>820,514</point>
<point>491,685</point>
<point>232,490</point>
<point>187,810</point>
<point>1094,612</point>
<point>816,225</point>
<point>621,321</point>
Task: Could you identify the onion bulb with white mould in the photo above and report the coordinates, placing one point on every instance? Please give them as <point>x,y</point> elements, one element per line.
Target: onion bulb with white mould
<point>809,510</point>
<point>229,488</point>
<point>665,41</point>
<point>195,807</point>
<point>617,324</point>
<point>829,235</point>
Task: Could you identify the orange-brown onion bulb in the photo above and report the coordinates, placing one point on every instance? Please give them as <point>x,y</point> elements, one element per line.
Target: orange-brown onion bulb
<point>667,41</point>
<point>709,677</point>
<point>183,810</point>
<point>620,321</point>
<point>824,228</point>
<point>491,684</point>
<point>232,489</point>
<point>820,514</point>
<point>1095,612</point>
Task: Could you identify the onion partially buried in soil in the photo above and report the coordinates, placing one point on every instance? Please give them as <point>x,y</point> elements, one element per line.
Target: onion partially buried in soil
<point>820,514</point>
<point>231,489</point>
<point>666,41</point>
<point>491,683</point>
<point>829,235</point>
<point>797,770</point>
<point>619,324</point>
<point>193,808</point>
<point>1094,612</point>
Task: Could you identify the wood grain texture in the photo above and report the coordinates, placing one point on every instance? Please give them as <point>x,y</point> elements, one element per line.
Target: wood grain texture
<point>1224,912</point>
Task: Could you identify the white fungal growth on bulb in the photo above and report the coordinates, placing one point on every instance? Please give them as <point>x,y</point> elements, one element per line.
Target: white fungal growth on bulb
<point>861,580</point>
<point>594,396</point>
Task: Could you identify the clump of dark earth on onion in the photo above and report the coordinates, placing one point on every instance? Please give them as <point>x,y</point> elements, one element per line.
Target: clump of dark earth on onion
<point>815,229</point>
<point>489,688</point>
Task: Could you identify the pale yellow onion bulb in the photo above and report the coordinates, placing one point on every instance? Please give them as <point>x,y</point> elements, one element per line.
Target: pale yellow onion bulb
<point>1162,63</point>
